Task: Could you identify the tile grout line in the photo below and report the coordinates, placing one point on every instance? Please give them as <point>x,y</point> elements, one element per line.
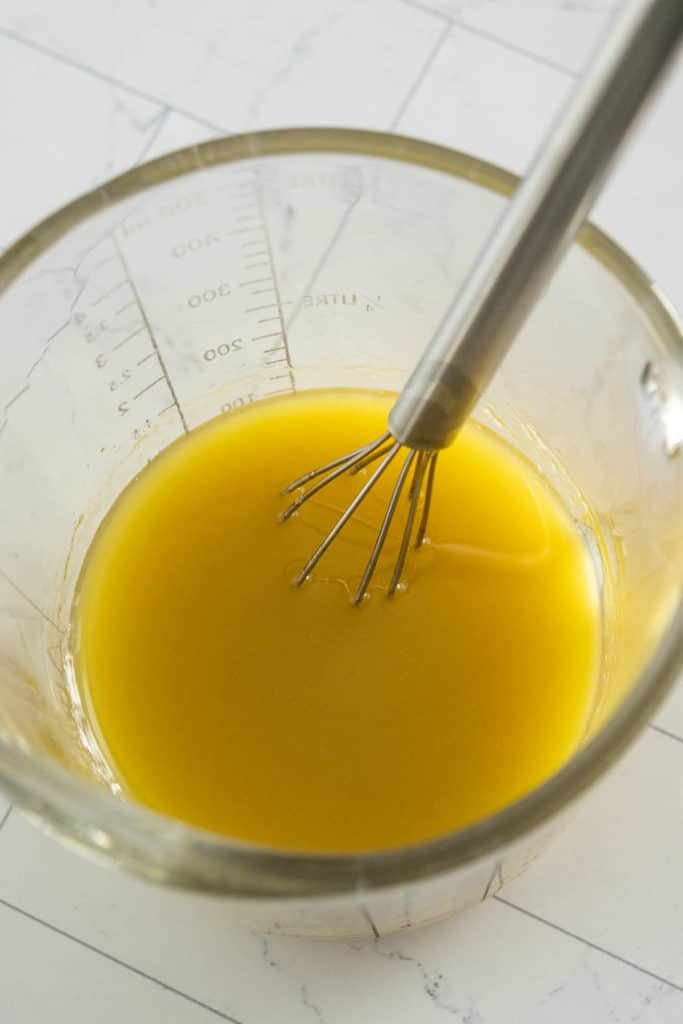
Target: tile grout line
<point>102,76</point>
<point>587,942</point>
<point>166,110</point>
<point>666,732</point>
<point>339,230</point>
<point>521,51</point>
<point>160,121</point>
<point>490,37</point>
<point>120,963</point>
<point>449,21</point>
<point>310,284</point>
<point>421,75</point>
<point>415,5</point>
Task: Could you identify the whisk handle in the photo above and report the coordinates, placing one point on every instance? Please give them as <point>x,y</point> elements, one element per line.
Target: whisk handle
<point>538,225</point>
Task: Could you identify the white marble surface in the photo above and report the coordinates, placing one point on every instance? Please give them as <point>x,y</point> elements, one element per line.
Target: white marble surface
<point>593,931</point>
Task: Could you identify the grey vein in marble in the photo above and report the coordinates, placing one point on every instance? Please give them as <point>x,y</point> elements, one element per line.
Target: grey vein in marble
<point>434,983</point>
<point>299,48</point>
<point>26,386</point>
<point>303,991</point>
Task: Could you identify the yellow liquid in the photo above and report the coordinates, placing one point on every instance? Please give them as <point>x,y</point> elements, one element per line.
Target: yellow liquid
<point>227,698</point>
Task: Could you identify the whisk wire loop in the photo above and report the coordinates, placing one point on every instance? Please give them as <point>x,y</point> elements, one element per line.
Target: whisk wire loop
<point>386,449</point>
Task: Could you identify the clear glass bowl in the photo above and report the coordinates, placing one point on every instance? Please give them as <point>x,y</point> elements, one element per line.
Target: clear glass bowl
<point>249,266</point>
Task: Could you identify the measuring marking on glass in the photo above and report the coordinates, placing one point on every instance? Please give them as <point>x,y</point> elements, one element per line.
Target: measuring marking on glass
<point>110,292</point>
<point>277,391</point>
<point>149,387</point>
<point>192,299</point>
<point>207,277</point>
<point>123,309</point>
<point>276,286</point>
<point>129,338</point>
<point>205,267</point>
<point>152,338</point>
<point>242,231</point>
<point>151,355</point>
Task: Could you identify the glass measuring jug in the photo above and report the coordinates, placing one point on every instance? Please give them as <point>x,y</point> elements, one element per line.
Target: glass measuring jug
<point>249,267</point>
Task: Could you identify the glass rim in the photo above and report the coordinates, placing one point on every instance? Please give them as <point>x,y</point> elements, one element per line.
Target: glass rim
<point>165,850</point>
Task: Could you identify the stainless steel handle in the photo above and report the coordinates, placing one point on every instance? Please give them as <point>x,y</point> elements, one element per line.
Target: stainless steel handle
<point>548,208</point>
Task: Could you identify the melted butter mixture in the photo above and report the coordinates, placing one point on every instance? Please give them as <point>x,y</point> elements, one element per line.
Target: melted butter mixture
<point>227,698</point>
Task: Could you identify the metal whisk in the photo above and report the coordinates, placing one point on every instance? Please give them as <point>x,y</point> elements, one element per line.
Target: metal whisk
<point>549,206</point>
